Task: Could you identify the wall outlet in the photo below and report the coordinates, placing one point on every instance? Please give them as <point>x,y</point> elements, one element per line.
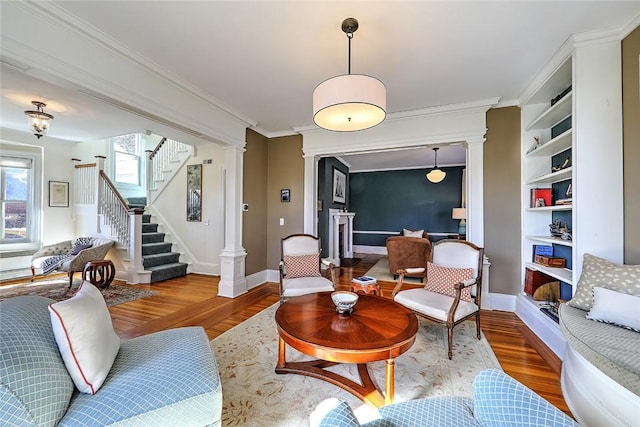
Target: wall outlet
<point>245,207</point>
<point>281,221</point>
<point>207,161</point>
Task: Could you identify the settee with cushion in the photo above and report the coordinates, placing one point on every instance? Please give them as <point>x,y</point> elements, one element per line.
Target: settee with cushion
<point>498,400</point>
<point>601,367</point>
<point>167,378</point>
<point>70,256</point>
<point>411,249</point>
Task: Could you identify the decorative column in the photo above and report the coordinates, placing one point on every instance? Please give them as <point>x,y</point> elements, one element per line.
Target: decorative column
<point>348,239</point>
<point>232,257</point>
<point>475,190</point>
<point>310,195</point>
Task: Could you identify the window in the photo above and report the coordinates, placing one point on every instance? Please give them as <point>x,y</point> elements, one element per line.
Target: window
<point>126,150</point>
<point>16,185</point>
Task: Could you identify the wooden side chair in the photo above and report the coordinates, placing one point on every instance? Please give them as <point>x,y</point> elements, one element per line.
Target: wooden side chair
<point>300,267</point>
<point>453,289</point>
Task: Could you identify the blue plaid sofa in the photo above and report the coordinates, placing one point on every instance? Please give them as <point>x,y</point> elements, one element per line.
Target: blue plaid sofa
<point>498,400</point>
<point>168,378</point>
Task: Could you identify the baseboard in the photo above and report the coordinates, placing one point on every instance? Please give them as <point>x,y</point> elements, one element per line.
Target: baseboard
<point>378,250</point>
<point>502,302</point>
<point>257,279</point>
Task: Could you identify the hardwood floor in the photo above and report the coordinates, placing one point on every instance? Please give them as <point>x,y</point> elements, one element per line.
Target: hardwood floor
<point>192,301</point>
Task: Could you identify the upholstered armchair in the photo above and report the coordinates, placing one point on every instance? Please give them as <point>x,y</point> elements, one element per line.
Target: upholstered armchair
<point>453,289</point>
<point>70,256</point>
<point>300,271</point>
<point>408,252</point>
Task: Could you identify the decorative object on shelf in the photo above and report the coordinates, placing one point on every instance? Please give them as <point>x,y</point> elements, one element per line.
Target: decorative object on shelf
<point>541,250</point>
<point>533,279</point>
<point>563,165</point>
<point>461,214</point>
<point>569,192</point>
<point>285,195</point>
<point>560,96</point>
<point>559,230</point>
<point>39,120</point>
<point>436,175</point>
<point>549,292</point>
<point>550,261</point>
<point>344,301</point>
<point>541,193</point>
<point>349,102</point>
<point>537,144</point>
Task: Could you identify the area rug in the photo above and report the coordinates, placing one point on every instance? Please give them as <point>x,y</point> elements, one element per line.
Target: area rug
<point>380,271</point>
<point>254,395</point>
<point>58,290</point>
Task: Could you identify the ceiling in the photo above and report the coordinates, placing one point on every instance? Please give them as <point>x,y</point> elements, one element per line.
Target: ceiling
<point>262,59</point>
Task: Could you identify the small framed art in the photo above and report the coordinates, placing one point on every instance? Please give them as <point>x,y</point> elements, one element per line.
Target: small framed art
<point>58,194</point>
<point>339,186</point>
<point>285,195</point>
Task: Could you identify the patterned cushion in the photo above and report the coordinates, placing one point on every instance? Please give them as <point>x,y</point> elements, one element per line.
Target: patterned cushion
<point>302,265</point>
<point>442,279</point>
<point>334,413</point>
<point>35,387</point>
<point>606,274</point>
<point>169,378</point>
<point>85,336</point>
<point>437,411</point>
<point>499,400</point>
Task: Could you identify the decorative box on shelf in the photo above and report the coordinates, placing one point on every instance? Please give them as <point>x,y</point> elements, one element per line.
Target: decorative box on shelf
<point>550,261</point>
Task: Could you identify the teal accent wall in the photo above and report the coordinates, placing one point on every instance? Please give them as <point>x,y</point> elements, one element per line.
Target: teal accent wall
<point>325,189</point>
<point>393,200</point>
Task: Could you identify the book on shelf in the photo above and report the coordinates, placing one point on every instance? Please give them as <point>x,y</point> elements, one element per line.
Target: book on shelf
<point>542,250</point>
<point>561,202</point>
<point>364,280</point>
<point>541,197</point>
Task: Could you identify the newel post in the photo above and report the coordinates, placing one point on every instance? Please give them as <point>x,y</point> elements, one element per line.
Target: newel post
<point>97,185</point>
<point>136,269</point>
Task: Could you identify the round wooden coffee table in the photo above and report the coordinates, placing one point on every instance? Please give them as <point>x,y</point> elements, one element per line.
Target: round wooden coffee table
<point>378,329</point>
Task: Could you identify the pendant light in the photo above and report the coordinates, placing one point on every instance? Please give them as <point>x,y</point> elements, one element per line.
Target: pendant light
<point>39,120</point>
<point>436,175</point>
<point>349,102</point>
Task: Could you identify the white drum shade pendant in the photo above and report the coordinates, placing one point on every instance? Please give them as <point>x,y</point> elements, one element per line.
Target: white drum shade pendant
<point>349,102</point>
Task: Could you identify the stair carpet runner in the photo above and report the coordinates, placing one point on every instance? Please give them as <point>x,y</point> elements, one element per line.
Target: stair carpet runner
<point>156,253</point>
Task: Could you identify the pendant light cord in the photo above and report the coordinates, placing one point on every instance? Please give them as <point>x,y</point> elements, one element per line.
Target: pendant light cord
<point>349,36</point>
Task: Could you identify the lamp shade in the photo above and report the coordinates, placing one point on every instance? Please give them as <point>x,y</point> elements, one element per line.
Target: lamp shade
<point>436,175</point>
<point>459,213</point>
<point>38,120</point>
<point>349,102</point>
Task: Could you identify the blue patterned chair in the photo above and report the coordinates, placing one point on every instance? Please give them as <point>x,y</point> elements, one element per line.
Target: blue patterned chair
<point>168,378</point>
<point>499,400</point>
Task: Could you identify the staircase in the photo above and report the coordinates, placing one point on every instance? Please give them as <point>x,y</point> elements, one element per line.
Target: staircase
<point>156,253</point>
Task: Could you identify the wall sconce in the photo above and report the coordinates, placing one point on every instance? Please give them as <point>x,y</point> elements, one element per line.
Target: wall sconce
<point>39,120</point>
<point>461,214</point>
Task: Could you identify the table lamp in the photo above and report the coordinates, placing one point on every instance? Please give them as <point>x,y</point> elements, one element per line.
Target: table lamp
<point>461,214</point>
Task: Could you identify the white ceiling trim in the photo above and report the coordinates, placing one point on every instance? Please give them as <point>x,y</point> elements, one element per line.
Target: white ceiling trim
<point>117,78</point>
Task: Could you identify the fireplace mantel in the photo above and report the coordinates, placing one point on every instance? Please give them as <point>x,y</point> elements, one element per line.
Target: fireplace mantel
<point>337,218</point>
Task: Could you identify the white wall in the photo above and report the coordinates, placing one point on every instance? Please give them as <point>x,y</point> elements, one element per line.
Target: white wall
<point>200,243</point>
<point>56,222</point>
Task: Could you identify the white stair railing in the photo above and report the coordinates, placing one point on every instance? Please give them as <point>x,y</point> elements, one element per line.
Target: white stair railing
<point>162,164</point>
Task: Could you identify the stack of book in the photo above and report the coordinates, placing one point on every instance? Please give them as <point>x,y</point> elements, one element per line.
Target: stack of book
<point>364,280</point>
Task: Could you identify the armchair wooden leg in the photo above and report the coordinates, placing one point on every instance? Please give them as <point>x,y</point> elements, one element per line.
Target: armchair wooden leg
<point>478,324</point>
<point>450,339</point>
<point>33,274</point>
<point>70,279</point>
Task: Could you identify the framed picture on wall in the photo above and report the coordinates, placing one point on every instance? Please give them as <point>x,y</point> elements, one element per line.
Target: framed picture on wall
<point>58,194</point>
<point>285,195</point>
<point>194,193</point>
<point>339,186</point>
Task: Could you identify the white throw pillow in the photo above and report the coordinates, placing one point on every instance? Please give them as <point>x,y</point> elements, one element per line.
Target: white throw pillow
<point>615,307</point>
<point>85,336</point>
<point>410,233</point>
